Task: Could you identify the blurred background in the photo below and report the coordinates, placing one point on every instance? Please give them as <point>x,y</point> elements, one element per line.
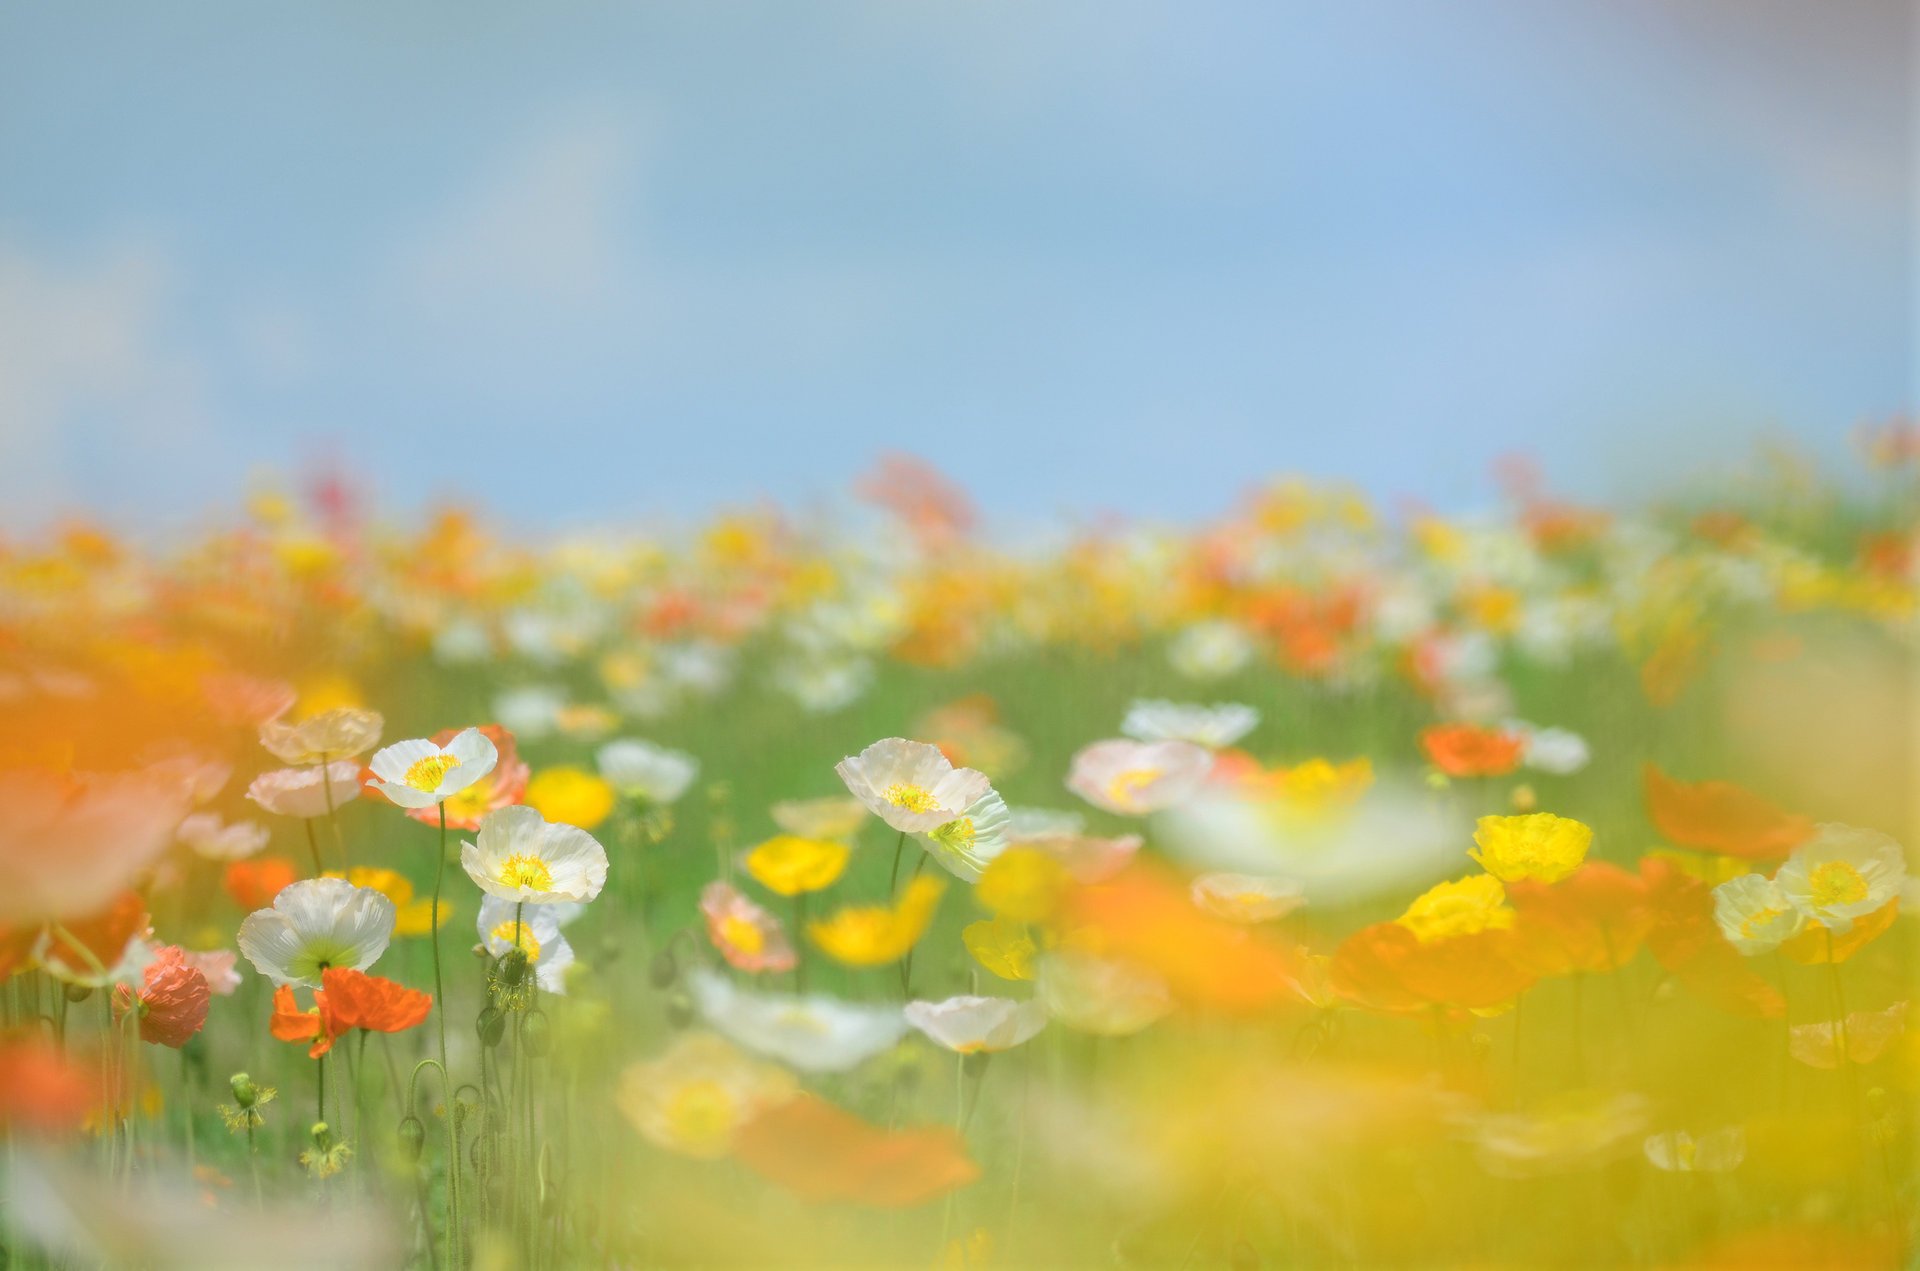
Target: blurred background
<point>600,264</point>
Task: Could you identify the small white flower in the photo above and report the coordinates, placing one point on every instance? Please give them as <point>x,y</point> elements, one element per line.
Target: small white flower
<point>1100,995</point>
<point>1247,898</point>
<point>975,1025</point>
<point>298,792</point>
<point>1210,650</point>
<point>640,769</point>
<point>419,774</point>
<point>315,924</point>
<point>536,928</point>
<point>1551,750</point>
<point>531,711</point>
<point>814,1033</point>
<point>521,856</point>
<point>214,839</point>
<point>1214,727</point>
<point>1754,914</point>
<point>1842,873</point>
<point>1134,778</point>
<point>966,845</point>
<point>911,785</point>
<point>1712,1153</point>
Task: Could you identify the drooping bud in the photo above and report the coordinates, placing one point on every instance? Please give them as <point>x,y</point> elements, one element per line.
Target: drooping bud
<point>492,1026</point>
<point>413,1139</point>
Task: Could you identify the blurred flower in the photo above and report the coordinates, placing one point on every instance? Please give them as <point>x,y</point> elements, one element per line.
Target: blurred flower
<point>1539,846</point>
<point>976,1025</point>
<point>171,1001</point>
<point>1215,727</point>
<point>520,856</point>
<point>1024,884</point>
<point>211,838</point>
<point>339,733</point>
<point>821,1153</point>
<point>69,842</point>
<point>43,1091</point>
<point>1246,898</point>
<point>1087,859</point>
<point>1210,650</point>
<point>571,795</point>
<point>814,1033</point>
<point>1468,750</point>
<point>1092,994</point>
<point>1861,1039</point>
<point>1134,778</point>
<point>830,818</point>
<point>1677,1151</point>
<point>1842,873</point>
<point>696,1096</point>
<point>1002,946</point>
<point>642,770</point>
<point>1718,816</point>
<point>218,966</point>
<point>422,774</point>
<point>1551,750</point>
<point>1574,1131</point>
<point>253,884</point>
<point>911,785</point>
<point>746,935</point>
<point>1755,914</point>
<point>298,791</point>
<point>1464,907</point>
<point>411,917</point>
<point>878,935</point>
<point>505,925</point>
<point>315,925</point>
<point>788,865</point>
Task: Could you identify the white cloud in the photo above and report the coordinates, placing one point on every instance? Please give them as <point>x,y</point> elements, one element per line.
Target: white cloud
<point>92,366</point>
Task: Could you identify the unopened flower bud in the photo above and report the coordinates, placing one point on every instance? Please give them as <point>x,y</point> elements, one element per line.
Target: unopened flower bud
<point>244,1091</point>
<point>664,970</point>
<point>492,1026</point>
<point>413,1139</point>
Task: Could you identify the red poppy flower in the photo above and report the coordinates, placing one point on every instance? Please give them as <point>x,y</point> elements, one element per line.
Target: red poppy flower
<point>818,1152</point>
<point>1467,750</point>
<point>1718,816</point>
<point>172,1000</point>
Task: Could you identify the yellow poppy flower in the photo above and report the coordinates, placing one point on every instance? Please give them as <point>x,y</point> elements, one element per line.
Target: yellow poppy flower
<point>1002,946</point>
<point>1023,884</point>
<point>875,935</point>
<point>1539,846</point>
<point>411,917</point>
<point>789,865</point>
<point>1464,907</point>
<point>570,796</point>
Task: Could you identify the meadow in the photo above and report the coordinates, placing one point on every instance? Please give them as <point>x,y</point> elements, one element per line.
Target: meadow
<point>1324,885</point>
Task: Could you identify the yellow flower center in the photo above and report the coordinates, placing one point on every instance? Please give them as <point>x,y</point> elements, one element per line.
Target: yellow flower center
<point>700,1114</point>
<point>742,934</point>
<point>528,872</point>
<point>426,774</point>
<point>911,797</point>
<point>1836,883</point>
<point>1127,787</point>
<point>1758,919</point>
<point>528,942</point>
<point>958,834</point>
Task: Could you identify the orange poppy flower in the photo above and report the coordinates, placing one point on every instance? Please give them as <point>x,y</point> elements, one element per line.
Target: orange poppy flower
<point>1387,967</point>
<point>1146,917</point>
<point>76,949</point>
<point>41,1090</point>
<point>254,883</point>
<point>1468,750</point>
<point>1684,939</point>
<point>347,1000</point>
<point>818,1152</point>
<point>1812,947</point>
<point>1594,920</point>
<point>1718,816</point>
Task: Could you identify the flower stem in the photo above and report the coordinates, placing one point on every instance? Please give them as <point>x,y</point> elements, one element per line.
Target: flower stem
<point>440,1009</point>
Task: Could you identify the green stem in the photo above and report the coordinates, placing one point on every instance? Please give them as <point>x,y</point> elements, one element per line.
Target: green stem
<point>446,1082</point>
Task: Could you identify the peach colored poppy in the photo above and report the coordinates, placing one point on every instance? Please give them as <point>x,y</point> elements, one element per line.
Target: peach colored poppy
<point>172,999</point>
<point>1684,938</point>
<point>1388,967</point>
<point>1594,920</point>
<point>820,1153</point>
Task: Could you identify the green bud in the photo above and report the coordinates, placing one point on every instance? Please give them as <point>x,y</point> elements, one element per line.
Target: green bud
<point>664,970</point>
<point>413,1139</point>
<point>77,992</point>
<point>513,966</point>
<point>244,1091</point>
<point>492,1025</point>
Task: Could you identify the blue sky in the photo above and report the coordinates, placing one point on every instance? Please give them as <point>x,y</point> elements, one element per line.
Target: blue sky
<point>612,263</point>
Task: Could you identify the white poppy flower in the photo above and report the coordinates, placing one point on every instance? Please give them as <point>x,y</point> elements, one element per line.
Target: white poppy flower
<point>315,924</point>
<point>419,774</point>
<point>911,785</point>
<point>966,845</point>
<point>1210,650</point>
<point>1715,1152</point>
<point>1247,898</point>
<point>640,769</point>
<point>1842,873</point>
<point>974,1025</point>
<point>1558,751</point>
<point>214,839</point>
<point>1100,995</point>
<point>814,1033</point>
<point>536,928</point>
<point>521,856</point>
<point>1134,778</point>
<point>1754,914</point>
<point>299,792</point>
<point>1214,727</point>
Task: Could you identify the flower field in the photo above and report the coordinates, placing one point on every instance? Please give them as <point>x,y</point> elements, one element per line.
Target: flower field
<point>1325,885</point>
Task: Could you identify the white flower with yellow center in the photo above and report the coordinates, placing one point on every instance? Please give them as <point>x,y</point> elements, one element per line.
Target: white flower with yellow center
<point>520,856</point>
<point>1843,872</point>
<point>1135,778</point>
<point>911,785</point>
<point>315,925</point>
<point>1214,727</point>
<point>966,845</point>
<point>504,924</point>
<point>1754,914</point>
<point>977,1025</point>
<point>814,1033</point>
<point>1247,898</point>
<point>419,774</point>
